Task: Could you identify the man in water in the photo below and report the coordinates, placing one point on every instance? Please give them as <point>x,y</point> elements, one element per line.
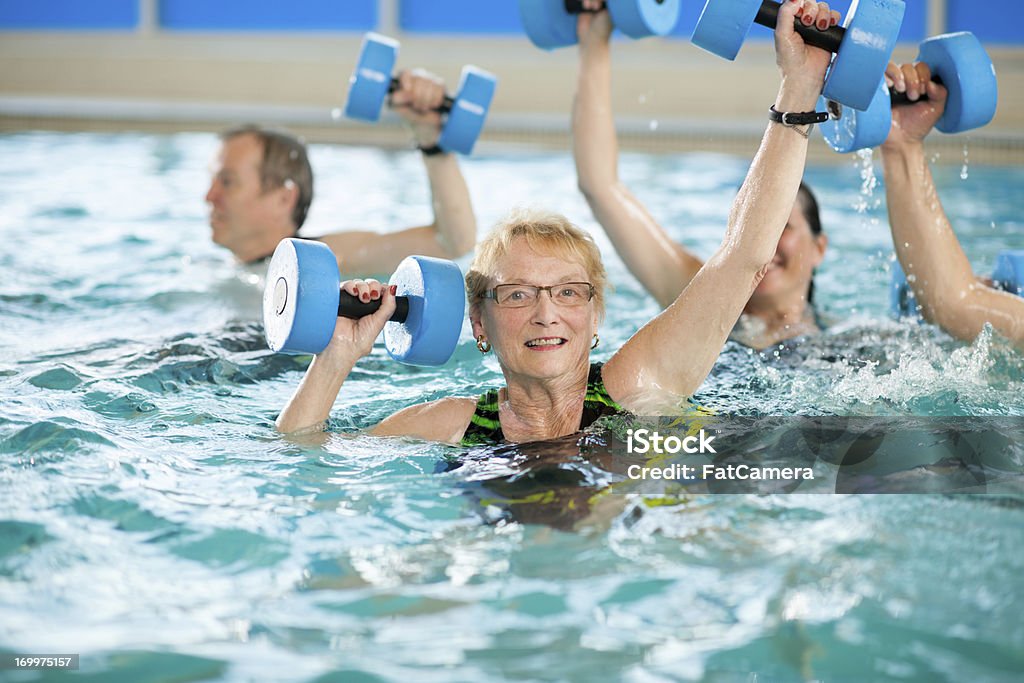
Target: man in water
<point>262,188</point>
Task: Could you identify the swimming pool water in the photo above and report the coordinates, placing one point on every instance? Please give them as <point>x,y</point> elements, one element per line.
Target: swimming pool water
<point>152,521</point>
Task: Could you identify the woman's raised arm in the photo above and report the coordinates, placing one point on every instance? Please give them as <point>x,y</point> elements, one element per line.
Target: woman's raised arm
<point>670,356</point>
<point>663,266</point>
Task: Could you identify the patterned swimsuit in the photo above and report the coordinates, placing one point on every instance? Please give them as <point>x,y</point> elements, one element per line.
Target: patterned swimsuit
<point>485,427</point>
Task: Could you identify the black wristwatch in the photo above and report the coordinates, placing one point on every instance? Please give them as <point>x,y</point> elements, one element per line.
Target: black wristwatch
<point>431,151</point>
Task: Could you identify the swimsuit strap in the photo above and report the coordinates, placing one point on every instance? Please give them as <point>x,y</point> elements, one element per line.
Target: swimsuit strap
<point>485,426</point>
<point>597,403</point>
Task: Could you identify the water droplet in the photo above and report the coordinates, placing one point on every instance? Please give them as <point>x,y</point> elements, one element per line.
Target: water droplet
<point>654,125</point>
<point>336,114</point>
<point>869,181</point>
<point>963,169</point>
<point>642,99</point>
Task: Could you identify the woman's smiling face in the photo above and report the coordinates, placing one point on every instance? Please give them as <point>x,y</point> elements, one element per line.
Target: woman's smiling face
<point>798,253</point>
<point>543,340</point>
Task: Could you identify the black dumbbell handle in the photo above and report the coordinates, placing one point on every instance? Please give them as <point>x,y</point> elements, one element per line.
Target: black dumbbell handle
<point>829,39</point>
<point>576,7</point>
<point>351,306</point>
<point>898,98</point>
<point>446,104</point>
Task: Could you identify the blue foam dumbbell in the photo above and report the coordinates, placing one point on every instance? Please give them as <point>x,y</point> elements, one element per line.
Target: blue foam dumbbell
<point>303,299</point>
<point>552,23</point>
<point>862,45</point>
<point>958,61</point>
<point>372,82</point>
<point>1009,271</point>
<point>902,302</point>
<point>1007,276</point>
<point>848,130</point>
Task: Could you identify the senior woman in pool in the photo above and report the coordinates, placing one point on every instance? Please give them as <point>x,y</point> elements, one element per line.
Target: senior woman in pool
<point>536,288</point>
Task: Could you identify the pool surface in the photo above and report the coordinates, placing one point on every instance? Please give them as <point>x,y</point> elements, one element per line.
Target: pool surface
<point>152,521</point>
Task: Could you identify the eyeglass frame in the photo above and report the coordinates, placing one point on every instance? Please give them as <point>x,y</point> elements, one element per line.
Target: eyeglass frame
<point>492,293</point>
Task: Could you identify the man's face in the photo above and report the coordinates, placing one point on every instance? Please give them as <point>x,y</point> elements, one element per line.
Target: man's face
<point>241,213</point>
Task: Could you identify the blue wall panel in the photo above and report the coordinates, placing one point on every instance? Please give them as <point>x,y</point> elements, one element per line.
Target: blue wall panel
<point>912,31</point>
<point>460,16</point>
<point>418,16</point>
<point>998,23</point>
<point>69,14</point>
<point>268,15</point>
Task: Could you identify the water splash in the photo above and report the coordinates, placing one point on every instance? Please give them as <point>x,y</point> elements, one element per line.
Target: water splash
<point>925,374</point>
<point>869,181</point>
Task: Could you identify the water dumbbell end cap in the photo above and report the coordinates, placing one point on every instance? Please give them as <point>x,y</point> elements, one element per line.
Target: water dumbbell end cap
<point>642,18</point>
<point>300,300</point>
<point>1009,272</point>
<point>854,130</point>
<point>371,80</point>
<point>547,24</point>
<point>469,110</point>
<point>722,26</point>
<point>872,27</point>
<point>437,307</point>
<point>968,74</point>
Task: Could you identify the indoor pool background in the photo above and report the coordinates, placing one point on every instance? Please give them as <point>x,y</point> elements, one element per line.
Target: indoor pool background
<point>152,521</point>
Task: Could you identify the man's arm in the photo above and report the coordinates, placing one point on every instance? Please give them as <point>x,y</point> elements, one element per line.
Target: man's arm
<point>937,269</point>
<point>662,266</point>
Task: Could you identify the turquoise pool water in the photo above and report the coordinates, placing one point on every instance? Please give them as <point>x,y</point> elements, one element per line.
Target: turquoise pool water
<point>153,522</point>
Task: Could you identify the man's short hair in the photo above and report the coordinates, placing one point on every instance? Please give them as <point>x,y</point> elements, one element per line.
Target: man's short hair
<point>284,160</point>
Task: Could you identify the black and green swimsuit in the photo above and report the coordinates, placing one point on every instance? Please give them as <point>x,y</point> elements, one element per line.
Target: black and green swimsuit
<point>485,427</point>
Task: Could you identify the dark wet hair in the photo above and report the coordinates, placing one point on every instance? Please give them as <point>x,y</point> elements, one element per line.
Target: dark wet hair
<point>809,208</point>
<point>284,159</point>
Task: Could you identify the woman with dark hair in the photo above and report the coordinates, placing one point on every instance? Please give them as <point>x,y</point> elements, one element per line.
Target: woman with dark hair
<point>780,307</point>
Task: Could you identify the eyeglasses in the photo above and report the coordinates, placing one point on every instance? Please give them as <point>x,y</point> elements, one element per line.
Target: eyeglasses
<point>520,296</point>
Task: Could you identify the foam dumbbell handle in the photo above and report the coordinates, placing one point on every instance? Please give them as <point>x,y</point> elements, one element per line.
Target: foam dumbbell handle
<point>352,307</point>
<point>899,98</point>
<point>444,108</point>
<point>829,39</point>
<point>576,7</point>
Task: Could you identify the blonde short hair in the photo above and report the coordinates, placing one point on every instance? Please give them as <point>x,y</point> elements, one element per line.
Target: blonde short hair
<point>545,232</point>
